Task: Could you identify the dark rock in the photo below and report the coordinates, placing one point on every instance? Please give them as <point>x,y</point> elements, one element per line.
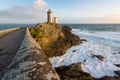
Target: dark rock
<point>83,40</point>
<point>74,51</point>
<point>84,60</point>
<point>75,67</point>
<point>117,72</point>
<point>74,72</point>
<point>109,78</point>
<point>118,65</point>
<point>100,57</point>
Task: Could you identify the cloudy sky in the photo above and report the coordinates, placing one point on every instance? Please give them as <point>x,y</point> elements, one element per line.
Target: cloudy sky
<point>67,11</point>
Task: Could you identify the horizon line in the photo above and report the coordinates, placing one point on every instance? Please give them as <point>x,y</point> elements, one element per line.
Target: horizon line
<point>61,23</point>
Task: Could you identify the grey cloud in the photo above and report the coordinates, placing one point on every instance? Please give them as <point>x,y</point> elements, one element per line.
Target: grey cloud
<point>22,12</point>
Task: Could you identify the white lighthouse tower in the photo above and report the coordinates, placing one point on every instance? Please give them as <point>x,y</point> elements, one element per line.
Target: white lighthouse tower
<point>49,16</point>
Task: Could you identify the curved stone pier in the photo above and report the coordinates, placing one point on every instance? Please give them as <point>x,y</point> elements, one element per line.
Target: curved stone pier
<point>30,63</point>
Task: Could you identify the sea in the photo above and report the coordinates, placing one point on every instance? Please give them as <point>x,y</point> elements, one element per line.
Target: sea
<point>102,39</point>
<point>9,26</point>
<point>95,27</point>
<point>90,27</point>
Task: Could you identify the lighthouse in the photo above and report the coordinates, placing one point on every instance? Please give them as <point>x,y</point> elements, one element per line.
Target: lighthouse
<point>51,19</point>
<point>49,16</point>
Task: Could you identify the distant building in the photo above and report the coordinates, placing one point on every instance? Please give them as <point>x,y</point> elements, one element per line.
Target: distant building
<point>55,20</point>
<point>51,19</point>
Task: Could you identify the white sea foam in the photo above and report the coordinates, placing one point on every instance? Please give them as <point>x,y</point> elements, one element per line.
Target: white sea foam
<point>98,43</point>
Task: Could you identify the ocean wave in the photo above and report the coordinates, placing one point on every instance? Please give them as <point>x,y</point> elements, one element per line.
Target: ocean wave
<point>104,43</point>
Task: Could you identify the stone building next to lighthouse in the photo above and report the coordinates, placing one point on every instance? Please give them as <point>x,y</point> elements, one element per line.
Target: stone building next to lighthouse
<point>51,19</point>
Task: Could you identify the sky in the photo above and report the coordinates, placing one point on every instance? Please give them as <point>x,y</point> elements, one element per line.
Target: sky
<point>67,11</point>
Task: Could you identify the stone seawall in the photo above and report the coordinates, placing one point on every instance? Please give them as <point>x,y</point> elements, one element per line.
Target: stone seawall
<point>3,32</point>
<point>30,63</point>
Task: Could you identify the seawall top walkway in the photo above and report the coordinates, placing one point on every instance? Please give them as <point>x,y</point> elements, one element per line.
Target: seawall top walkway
<point>29,62</point>
<point>10,41</point>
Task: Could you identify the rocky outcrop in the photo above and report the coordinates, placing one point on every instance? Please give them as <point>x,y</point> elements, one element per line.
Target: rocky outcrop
<point>75,72</point>
<point>30,63</point>
<point>54,39</point>
<point>100,57</point>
